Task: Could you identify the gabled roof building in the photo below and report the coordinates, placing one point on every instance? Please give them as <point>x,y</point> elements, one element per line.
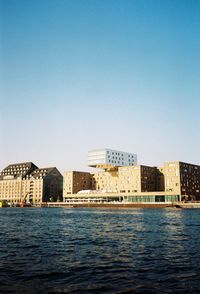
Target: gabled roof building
<point>26,180</point>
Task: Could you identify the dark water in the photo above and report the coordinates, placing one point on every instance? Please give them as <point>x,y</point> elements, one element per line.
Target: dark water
<point>99,251</point>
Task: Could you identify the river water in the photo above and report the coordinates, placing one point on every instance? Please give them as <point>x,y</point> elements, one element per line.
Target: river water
<point>59,250</point>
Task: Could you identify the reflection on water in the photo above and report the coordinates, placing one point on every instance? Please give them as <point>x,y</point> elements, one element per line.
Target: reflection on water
<point>99,251</point>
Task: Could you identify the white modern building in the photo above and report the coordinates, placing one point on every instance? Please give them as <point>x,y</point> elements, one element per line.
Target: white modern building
<point>104,158</point>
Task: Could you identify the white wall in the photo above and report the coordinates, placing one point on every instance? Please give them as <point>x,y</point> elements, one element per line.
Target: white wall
<point>112,157</point>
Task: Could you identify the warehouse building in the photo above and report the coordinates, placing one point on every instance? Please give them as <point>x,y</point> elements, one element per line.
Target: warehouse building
<point>27,181</point>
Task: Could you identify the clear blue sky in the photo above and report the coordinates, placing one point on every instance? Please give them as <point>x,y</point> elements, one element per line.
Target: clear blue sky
<point>84,74</point>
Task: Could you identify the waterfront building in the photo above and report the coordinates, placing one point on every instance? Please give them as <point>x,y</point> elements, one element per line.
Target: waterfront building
<point>183,179</point>
<point>26,180</point>
<point>174,181</point>
<point>126,179</point>
<point>108,158</point>
<point>75,181</point>
<point>11,181</point>
<point>105,181</point>
<point>136,179</point>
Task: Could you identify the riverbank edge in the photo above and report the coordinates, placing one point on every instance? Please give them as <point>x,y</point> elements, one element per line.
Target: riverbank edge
<point>108,205</point>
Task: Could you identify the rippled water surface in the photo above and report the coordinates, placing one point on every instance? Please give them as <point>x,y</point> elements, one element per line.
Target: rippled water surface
<point>59,250</point>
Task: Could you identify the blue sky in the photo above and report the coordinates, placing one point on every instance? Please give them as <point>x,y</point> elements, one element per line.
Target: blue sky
<point>79,75</point>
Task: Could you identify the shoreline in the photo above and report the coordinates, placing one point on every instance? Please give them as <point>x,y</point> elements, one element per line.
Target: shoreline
<point>107,205</point>
<point>120,205</point>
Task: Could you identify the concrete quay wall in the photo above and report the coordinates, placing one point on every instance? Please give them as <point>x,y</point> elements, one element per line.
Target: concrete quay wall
<point>107,205</point>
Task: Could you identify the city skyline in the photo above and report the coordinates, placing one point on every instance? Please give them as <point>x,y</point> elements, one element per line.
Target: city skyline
<point>174,181</point>
<point>80,75</point>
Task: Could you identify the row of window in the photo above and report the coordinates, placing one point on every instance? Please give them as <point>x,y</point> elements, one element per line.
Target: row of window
<point>117,153</point>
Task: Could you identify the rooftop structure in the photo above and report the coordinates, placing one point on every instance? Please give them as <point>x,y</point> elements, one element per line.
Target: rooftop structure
<point>109,158</point>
